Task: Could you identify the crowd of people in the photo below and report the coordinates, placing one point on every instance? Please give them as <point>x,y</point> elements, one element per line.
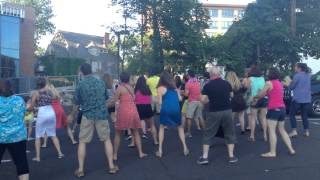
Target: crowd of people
<point>212,102</point>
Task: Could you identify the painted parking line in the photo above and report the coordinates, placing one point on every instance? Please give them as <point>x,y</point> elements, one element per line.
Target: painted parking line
<point>6,161</point>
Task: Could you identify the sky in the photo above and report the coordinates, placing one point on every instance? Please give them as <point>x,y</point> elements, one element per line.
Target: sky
<point>89,16</point>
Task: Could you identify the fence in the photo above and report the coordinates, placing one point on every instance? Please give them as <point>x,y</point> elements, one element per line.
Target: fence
<point>24,85</point>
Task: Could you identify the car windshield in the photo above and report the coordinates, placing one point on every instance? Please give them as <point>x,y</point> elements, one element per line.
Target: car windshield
<point>316,77</point>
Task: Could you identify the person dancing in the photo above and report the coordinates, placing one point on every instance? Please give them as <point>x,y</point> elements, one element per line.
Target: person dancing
<point>46,119</point>
<point>170,113</point>
<point>276,113</point>
<point>127,115</point>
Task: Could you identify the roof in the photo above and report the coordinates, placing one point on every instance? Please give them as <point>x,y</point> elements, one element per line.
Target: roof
<point>76,45</point>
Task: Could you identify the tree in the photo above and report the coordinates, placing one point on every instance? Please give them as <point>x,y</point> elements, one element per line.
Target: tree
<point>176,28</point>
<point>44,14</point>
<point>265,35</point>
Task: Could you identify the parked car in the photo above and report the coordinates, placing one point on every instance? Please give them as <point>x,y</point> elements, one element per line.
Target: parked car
<point>315,93</point>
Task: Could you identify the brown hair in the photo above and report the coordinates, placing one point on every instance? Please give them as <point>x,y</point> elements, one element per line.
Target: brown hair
<point>167,81</point>
<point>5,88</point>
<point>108,80</point>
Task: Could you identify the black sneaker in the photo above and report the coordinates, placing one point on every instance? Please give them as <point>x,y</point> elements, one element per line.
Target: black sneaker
<point>233,160</point>
<point>203,161</point>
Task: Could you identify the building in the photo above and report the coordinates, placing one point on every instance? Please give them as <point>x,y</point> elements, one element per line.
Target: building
<point>93,49</point>
<point>222,16</point>
<point>17,27</point>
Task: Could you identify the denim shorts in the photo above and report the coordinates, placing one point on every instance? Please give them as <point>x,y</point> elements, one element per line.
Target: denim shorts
<point>276,114</point>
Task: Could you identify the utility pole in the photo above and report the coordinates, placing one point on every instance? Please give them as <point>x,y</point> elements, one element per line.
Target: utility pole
<point>293,16</point>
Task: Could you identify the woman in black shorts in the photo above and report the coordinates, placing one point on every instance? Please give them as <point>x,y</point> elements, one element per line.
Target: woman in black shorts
<point>143,102</point>
<point>276,113</point>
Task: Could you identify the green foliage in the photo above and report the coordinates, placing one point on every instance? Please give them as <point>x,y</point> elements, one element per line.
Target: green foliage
<point>176,31</point>
<point>44,14</point>
<point>61,66</point>
<point>264,36</point>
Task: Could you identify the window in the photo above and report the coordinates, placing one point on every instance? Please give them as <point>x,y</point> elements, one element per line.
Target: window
<point>241,13</point>
<point>227,13</point>
<point>213,13</point>
<point>226,24</point>
<point>10,36</point>
<point>213,25</point>
<point>9,46</point>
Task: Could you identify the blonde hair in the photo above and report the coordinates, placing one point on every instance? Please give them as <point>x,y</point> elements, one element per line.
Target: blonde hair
<point>55,92</point>
<point>233,79</point>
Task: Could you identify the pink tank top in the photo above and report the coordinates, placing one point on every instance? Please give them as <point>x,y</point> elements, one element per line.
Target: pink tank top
<point>276,95</point>
<point>142,99</point>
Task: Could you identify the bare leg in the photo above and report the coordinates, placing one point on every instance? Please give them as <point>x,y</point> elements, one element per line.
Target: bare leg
<point>189,125</point>
<point>137,140</point>
<point>205,151</point>
<point>230,150</point>
<point>202,123</point>
<point>197,121</point>
<point>37,147</point>
<point>183,140</point>
<point>109,153</point>
<point>81,156</point>
<point>24,177</point>
<point>45,141</point>
<point>272,125</point>
<point>252,122</point>
<point>161,138</point>
<point>285,137</point>
<point>263,120</point>
<point>153,130</point>
<point>144,128</point>
<point>56,144</point>
<point>117,139</point>
<point>241,120</point>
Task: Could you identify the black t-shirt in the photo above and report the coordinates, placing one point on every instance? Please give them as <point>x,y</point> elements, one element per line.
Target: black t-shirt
<point>218,92</point>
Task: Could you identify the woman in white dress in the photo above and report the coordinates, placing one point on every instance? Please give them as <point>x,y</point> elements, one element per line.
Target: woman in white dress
<point>46,119</point>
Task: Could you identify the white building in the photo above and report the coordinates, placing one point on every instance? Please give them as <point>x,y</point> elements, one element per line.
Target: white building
<point>223,13</point>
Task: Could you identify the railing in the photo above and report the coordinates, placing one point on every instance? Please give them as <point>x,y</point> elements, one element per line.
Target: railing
<point>24,85</point>
<point>11,10</point>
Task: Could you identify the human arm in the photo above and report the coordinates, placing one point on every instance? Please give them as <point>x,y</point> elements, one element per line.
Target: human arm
<point>34,98</point>
<point>263,92</point>
<point>294,82</point>
<point>161,90</point>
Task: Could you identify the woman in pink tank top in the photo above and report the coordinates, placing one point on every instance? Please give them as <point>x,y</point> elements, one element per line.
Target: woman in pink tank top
<point>276,113</point>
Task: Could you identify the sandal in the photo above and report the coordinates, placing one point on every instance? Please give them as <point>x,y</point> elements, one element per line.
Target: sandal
<point>143,156</point>
<point>114,170</point>
<point>60,156</point>
<point>79,174</point>
<point>268,155</point>
<point>186,152</point>
<point>251,139</point>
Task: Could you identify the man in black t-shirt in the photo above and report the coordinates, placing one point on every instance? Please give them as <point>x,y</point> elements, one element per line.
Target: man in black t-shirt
<point>218,92</point>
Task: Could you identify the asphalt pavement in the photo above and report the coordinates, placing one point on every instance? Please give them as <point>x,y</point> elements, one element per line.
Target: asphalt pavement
<point>174,166</point>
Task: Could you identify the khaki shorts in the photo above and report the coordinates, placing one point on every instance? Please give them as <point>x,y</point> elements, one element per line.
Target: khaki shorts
<point>194,110</point>
<point>87,128</point>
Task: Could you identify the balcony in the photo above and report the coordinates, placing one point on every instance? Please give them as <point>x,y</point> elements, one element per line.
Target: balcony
<point>8,9</point>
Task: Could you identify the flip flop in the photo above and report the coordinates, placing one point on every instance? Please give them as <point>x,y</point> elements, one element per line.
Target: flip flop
<point>79,174</point>
<point>114,170</point>
<point>143,156</point>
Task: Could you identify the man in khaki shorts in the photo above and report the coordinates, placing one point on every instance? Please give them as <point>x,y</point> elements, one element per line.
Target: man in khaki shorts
<point>152,82</point>
<point>91,95</point>
<point>194,107</point>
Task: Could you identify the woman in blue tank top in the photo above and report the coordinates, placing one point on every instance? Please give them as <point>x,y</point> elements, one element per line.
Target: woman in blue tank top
<point>170,114</point>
